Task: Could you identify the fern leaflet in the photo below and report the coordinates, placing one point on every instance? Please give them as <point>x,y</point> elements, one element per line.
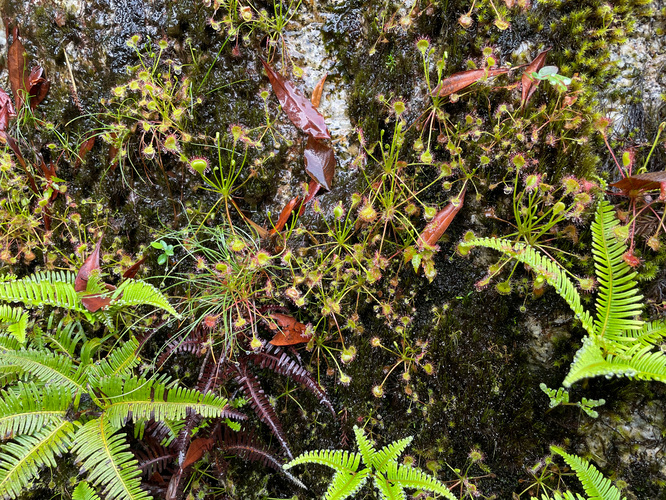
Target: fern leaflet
<point>28,408</point>
<point>596,486</point>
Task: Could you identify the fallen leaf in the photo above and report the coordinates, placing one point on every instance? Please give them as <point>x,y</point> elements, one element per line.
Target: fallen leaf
<point>300,111</point>
<point>316,93</point>
<point>320,162</point>
<point>84,150</point>
<point>529,85</point>
<point>288,209</point>
<point>38,86</point>
<point>95,302</point>
<point>7,111</point>
<point>91,264</point>
<point>459,81</point>
<point>196,450</point>
<point>439,224</point>
<point>131,272</point>
<point>16,63</point>
<point>313,189</point>
<point>291,331</point>
<point>643,182</point>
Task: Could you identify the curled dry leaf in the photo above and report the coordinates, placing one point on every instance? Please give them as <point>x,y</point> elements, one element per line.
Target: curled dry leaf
<point>293,204</point>
<point>16,64</point>
<point>196,450</point>
<point>459,81</point>
<point>7,112</point>
<point>440,223</point>
<point>91,264</point>
<point>528,84</point>
<point>300,111</point>
<point>318,90</point>
<point>38,86</point>
<point>291,331</point>
<point>320,162</point>
<point>131,272</point>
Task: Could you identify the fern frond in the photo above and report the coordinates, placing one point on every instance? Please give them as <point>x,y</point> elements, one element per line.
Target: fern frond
<point>84,491</point>
<point>120,361</point>
<point>389,453</point>
<point>651,333</point>
<point>27,408</point>
<point>345,484</point>
<point>388,489</point>
<point>15,320</point>
<point>139,293</point>
<point>411,477</point>
<point>139,398</point>
<point>45,288</point>
<point>596,486</point>
<point>545,267</point>
<point>105,454</point>
<point>66,337</point>
<point>365,447</point>
<point>50,368</point>
<point>618,301</point>
<point>560,496</point>
<point>9,343</point>
<point>21,459</point>
<point>340,460</point>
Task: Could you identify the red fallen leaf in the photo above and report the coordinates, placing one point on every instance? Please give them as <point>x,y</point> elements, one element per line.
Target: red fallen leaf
<point>38,86</point>
<point>643,182</point>
<point>320,162</point>
<point>95,302</point>
<point>84,150</point>
<point>318,90</point>
<point>16,63</point>
<point>300,111</point>
<point>291,331</point>
<point>131,272</point>
<point>529,85</point>
<point>291,205</point>
<point>313,189</point>
<point>90,265</point>
<point>196,450</point>
<point>7,111</point>
<point>439,224</point>
<point>459,81</point>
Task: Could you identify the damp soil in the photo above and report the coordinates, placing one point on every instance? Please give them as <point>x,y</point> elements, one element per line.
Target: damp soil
<point>489,351</point>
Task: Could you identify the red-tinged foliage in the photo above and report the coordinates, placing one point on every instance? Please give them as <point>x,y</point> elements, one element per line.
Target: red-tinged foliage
<point>293,204</point>
<point>131,272</point>
<point>440,223</point>
<point>528,84</point>
<point>91,264</point>
<point>318,90</point>
<point>635,184</point>
<point>196,450</point>
<point>320,162</point>
<point>459,81</point>
<point>7,112</point>
<point>298,108</point>
<point>313,189</point>
<point>95,302</point>
<point>84,150</point>
<point>291,331</point>
<point>631,259</point>
<point>16,64</point>
<point>38,86</point>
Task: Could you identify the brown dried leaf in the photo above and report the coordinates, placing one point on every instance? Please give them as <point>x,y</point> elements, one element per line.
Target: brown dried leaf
<point>91,264</point>
<point>643,182</point>
<point>16,63</point>
<point>7,111</point>
<point>196,450</point>
<point>293,204</point>
<point>84,150</point>
<point>95,302</point>
<point>38,86</point>
<point>316,93</point>
<point>529,85</point>
<point>320,162</point>
<point>300,111</point>
<point>131,272</point>
<point>459,81</point>
<point>291,331</point>
<point>440,223</point>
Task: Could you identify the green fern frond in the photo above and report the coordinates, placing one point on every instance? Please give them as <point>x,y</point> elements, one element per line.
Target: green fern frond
<point>346,484</point>
<point>139,398</point>
<point>389,490</point>
<point>340,460</point>
<point>50,368</point>
<point>105,454</point>
<point>560,496</point>
<point>9,343</point>
<point>66,337</point>
<point>618,303</point>
<point>139,293</point>
<point>120,361</point>
<point>596,486</point>
<point>411,477</point>
<point>389,453</point>
<point>84,491</point>
<point>15,320</point>
<point>545,267</point>
<point>27,408</point>
<point>651,333</point>
<point>21,459</point>
<point>365,447</point>
<point>40,289</point>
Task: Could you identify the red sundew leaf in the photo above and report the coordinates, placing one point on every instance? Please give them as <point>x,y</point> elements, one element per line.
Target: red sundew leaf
<point>84,150</point>
<point>440,223</point>
<point>95,302</point>
<point>293,204</point>
<point>529,85</point>
<point>459,81</point>
<point>38,86</point>
<point>320,162</point>
<point>318,90</point>
<point>131,272</point>
<point>291,331</point>
<point>16,63</point>
<point>7,111</point>
<point>196,450</point>
<point>90,265</point>
<point>300,111</point>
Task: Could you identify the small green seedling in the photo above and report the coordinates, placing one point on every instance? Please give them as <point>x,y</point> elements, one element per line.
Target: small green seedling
<point>549,73</point>
<point>167,251</point>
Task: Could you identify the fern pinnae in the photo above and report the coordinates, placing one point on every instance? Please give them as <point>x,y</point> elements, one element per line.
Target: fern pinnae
<point>389,490</point>
<point>390,452</point>
<point>136,293</point>
<point>365,447</point>
<point>345,484</point>
<point>27,408</point>
<point>15,320</point>
<point>84,491</point>
<point>411,477</point>
<point>50,368</point>
<point>120,361</point>
<point>596,486</point>
<point>340,460</point>
<point>21,459</point>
